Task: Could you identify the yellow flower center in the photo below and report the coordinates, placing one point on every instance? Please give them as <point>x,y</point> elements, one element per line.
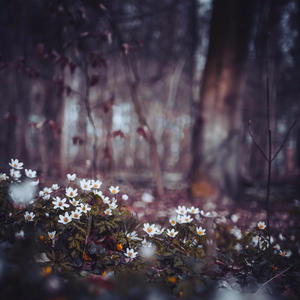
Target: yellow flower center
<point>172,222</point>
<point>28,218</point>
<point>66,219</point>
<point>113,191</point>
<point>95,185</point>
<point>83,207</point>
<point>149,229</point>
<point>75,215</point>
<point>171,234</point>
<point>50,235</point>
<point>260,226</point>
<point>71,193</point>
<point>15,165</point>
<point>129,253</point>
<point>60,204</point>
<point>200,232</point>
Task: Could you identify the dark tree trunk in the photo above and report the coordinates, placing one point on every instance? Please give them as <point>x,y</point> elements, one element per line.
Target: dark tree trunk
<point>217,129</point>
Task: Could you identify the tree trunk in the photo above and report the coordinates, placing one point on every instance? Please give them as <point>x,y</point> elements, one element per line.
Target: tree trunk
<point>217,129</point>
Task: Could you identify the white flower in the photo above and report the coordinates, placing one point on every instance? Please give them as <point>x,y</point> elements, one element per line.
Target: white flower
<point>285,253</point>
<point>200,231</point>
<point>236,232</point>
<point>19,234</point>
<point>71,192</point>
<point>98,193</point>
<point>85,185</point>
<point>125,197</point>
<point>181,210</point>
<point>14,163</point>
<point>16,174</point>
<point>150,229</point>
<point>46,197</point>
<point>30,173</point>
<point>55,186</point>
<point>108,212</point>
<point>106,200</point>
<point>76,214</point>
<point>52,235</point>
<point>113,205</point>
<point>96,184</point>
<point>184,219</point>
<point>261,225</point>
<point>3,176</point>
<point>281,237</point>
<point>74,202</point>
<point>47,190</point>
<point>60,203</point>
<point>84,207</point>
<point>114,190</point>
<point>234,218</point>
<point>29,216</point>
<point>193,210</point>
<point>65,219</point>
<point>130,253</point>
<point>71,177</point>
<point>133,236</point>
<point>172,221</point>
<point>254,241</point>
<point>172,233</point>
<point>147,198</point>
<point>238,247</point>
<point>208,214</point>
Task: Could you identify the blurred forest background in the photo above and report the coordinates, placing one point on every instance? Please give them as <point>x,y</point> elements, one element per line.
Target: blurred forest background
<point>151,93</point>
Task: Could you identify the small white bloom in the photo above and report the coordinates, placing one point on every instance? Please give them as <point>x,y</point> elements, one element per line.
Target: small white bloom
<point>14,163</point>
<point>19,234</point>
<point>30,173</point>
<point>193,210</point>
<point>52,235</point>
<point>3,176</point>
<point>113,205</point>
<point>71,177</point>
<point>76,214</point>
<point>130,253</point>
<point>261,225</point>
<point>133,236</point>
<point>65,219</point>
<point>108,212</point>
<point>60,203</point>
<point>181,210</point>
<point>15,174</point>
<point>55,187</point>
<point>114,190</point>
<point>125,197</point>
<point>236,232</point>
<point>84,207</point>
<point>96,184</point>
<point>172,233</point>
<point>147,198</point>
<point>285,253</point>
<point>238,247</point>
<point>234,218</point>
<point>281,237</point>
<point>172,221</point>
<point>106,200</point>
<point>200,231</point>
<point>184,219</point>
<point>98,193</point>
<point>74,202</point>
<point>85,185</point>
<point>46,197</point>
<point>150,229</point>
<point>29,216</point>
<point>70,192</point>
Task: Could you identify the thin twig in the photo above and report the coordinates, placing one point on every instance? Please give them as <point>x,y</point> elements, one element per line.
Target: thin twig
<point>285,139</point>
<point>274,277</point>
<point>255,143</point>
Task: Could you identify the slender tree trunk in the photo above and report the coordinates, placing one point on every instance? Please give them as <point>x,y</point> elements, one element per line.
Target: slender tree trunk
<point>217,129</point>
